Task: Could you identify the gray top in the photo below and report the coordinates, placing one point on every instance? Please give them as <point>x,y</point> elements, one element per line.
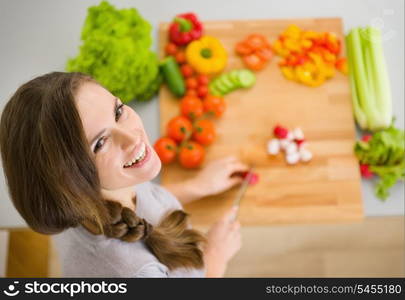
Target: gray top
<point>83,254</point>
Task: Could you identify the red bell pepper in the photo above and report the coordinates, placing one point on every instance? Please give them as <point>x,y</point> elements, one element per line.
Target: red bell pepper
<point>184,29</point>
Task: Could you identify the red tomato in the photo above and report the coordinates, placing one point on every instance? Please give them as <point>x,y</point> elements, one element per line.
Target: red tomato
<point>202,91</point>
<point>191,93</point>
<point>180,57</point>
<point>214,105</point>
<point>242,48</point>
<point>191,107</point>
<point>204,132</point>
<point>203,79</point>
<point>264,54</point>
<point>171,49</point>
<point>179,128</point>
<point>166,149</point>
<point>253,62</point>
<point>186,70</point>
<point>191,155</point>
<point>257,41</point>
<point>191,83</point>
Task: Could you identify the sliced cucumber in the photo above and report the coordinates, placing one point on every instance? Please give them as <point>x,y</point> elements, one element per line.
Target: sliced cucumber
<point>234,77</point>
<point>220,86</point>
<point>246,78</point>
<point>214,90</point>
<point>228,82</point>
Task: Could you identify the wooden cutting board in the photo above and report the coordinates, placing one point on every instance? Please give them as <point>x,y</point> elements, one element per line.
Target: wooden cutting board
<point>328,189</point>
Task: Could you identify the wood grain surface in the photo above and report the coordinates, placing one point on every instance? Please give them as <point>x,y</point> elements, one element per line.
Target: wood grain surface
<point>327,189</point>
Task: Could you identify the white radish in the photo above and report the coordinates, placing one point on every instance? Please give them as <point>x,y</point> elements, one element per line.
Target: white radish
<point>284,143</point>
<point>305,155</point>
<point>290,136</point>
<point>273,147</point>
<point>292,158</point>
<point>298,134</point>
<point>291,148</point>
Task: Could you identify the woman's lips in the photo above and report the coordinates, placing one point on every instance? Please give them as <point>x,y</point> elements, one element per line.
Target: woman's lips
<point>135,152</point>
<point>143,161</point>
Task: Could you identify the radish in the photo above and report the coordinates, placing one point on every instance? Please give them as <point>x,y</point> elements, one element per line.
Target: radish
<point>292,158</point>
<point>280,132</point>
<point>305,154</point>
<point>273,147</point>
<point>293,143</point>
<point>284,143</point>
<point>298,134</point>
<point>291,148</point>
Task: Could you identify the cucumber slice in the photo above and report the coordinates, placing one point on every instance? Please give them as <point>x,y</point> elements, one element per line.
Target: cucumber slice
<point>220,86</point>
<point>214,90</point>
<point>234,77</point>
<point>226,82</point>
<point>246,78</point>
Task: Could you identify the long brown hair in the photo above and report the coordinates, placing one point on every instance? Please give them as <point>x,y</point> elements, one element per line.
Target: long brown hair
<point>53,181</point>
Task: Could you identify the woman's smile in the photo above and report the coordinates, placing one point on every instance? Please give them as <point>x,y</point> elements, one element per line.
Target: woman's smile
<point>140,159</point>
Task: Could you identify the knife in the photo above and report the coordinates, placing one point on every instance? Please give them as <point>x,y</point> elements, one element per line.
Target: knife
<point>242,190</point>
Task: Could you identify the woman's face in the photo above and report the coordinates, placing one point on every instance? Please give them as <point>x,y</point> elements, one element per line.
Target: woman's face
<point>116,136</point>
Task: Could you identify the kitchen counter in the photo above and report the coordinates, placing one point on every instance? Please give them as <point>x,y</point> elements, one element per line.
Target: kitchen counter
<point>38,36</point>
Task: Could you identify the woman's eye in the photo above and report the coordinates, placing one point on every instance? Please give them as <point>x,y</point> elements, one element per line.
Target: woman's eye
<point>118,111</point>
<point>99,144</point>
<point>101,141</point>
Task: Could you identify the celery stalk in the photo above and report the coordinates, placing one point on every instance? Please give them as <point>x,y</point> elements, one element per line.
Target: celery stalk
<point>359,115</point>
<point>369,81</point>
<point>379,79</point>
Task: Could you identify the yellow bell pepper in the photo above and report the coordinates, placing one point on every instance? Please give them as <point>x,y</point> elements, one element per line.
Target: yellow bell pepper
<point>207,55</point>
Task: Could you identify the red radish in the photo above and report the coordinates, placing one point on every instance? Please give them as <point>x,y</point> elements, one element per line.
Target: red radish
<point>365,171</point>
<point>284,143</point>
<point>273,147</point>
<point>280,132</point>
<point>291,148</point>
<point>298,134</point>
<point>254,179</point>
<point>366,138</point>
<point>292,158</point>
<point>299,142</point>
<point>305,155</point>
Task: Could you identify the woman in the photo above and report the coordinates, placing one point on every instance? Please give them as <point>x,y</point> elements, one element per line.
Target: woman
<point>78,165</point>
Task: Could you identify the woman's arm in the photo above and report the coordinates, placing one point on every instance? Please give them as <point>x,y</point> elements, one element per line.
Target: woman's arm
<point>224,241</point>
<point>186,192</point>
<point>213,179</point>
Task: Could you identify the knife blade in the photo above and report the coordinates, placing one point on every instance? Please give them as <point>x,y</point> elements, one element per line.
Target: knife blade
<point>242,190</point>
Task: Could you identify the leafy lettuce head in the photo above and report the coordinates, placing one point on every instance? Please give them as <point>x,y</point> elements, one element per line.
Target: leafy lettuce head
<point>116,52</point>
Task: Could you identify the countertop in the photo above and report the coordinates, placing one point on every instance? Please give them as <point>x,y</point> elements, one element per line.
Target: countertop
<point>38,36</point>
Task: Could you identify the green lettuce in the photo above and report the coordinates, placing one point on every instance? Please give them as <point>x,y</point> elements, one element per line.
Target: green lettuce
<point>116,52</point>
<point>385,154</point>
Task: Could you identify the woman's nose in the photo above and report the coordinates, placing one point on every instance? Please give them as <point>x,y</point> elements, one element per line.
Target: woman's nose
<point>127,139</point>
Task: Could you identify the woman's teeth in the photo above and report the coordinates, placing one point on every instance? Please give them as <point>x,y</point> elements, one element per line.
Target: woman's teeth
<point>138,157</point>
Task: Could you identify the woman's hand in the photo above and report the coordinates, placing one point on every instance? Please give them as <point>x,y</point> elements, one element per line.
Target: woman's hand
<point>224,241</point>
<point>216,178</point>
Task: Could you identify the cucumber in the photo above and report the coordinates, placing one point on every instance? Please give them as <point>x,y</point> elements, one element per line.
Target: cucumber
<point>173,77</point>
<point>246,78</point>
<point>220,87</point>
<point>216,92</point>
<point>233,76</point>
<point>228,82</point>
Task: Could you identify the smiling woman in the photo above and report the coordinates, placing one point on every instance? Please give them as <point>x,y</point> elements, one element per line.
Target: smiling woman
<point>61,183</point>
<point>78,165</point>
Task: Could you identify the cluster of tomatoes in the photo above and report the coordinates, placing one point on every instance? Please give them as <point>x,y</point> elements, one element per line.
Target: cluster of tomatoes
<point>188,133</point>
<point>255,51</point>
